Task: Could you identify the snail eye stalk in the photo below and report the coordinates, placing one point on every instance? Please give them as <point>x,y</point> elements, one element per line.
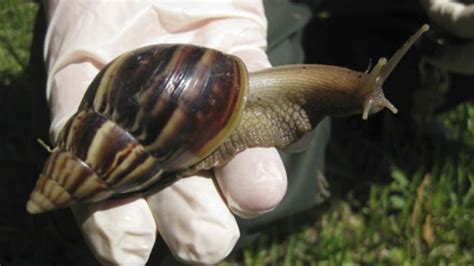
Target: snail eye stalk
<point>380,73</point>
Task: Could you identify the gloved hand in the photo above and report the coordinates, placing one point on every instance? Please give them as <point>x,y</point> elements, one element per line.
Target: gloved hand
<point>457,19</point>
<point>194,215</point>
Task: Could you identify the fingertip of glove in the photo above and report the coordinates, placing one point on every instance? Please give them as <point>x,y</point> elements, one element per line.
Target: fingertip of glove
<point>119,232</point>
<point>194,222</point>
<point>254,182</point>
<point>209,247</point>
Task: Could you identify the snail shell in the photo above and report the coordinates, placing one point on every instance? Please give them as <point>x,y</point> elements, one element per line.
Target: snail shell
<point>157,109</point>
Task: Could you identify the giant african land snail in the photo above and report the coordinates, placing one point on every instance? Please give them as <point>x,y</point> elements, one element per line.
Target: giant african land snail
<point>162,112</point>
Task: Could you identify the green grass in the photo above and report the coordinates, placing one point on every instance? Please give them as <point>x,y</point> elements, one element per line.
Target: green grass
<point>420,217</point>
<point>16,25</point>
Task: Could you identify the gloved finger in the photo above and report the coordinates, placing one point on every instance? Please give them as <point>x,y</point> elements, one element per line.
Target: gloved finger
<point>253,182</point>
<point>454,16</point>
<point>194,221</point>
<point>119,231</point>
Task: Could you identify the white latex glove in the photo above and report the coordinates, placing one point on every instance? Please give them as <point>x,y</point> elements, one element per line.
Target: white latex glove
<point>192,215</point>
<point>457,17</point>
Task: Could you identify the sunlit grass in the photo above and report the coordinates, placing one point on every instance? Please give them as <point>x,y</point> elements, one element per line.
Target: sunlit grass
<point>16,26</point>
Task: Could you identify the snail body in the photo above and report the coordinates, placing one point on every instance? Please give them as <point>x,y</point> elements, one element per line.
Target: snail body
<point>162,112</point>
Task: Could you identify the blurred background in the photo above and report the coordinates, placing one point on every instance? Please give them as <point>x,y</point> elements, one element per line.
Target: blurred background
<point>396,189</point>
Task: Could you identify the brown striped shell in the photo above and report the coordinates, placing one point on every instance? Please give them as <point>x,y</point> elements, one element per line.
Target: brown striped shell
<point>158,109</point>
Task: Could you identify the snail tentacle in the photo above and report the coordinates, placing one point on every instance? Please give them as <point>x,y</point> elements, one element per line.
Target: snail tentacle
<point>395,59</point>
<point>373,87</point>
